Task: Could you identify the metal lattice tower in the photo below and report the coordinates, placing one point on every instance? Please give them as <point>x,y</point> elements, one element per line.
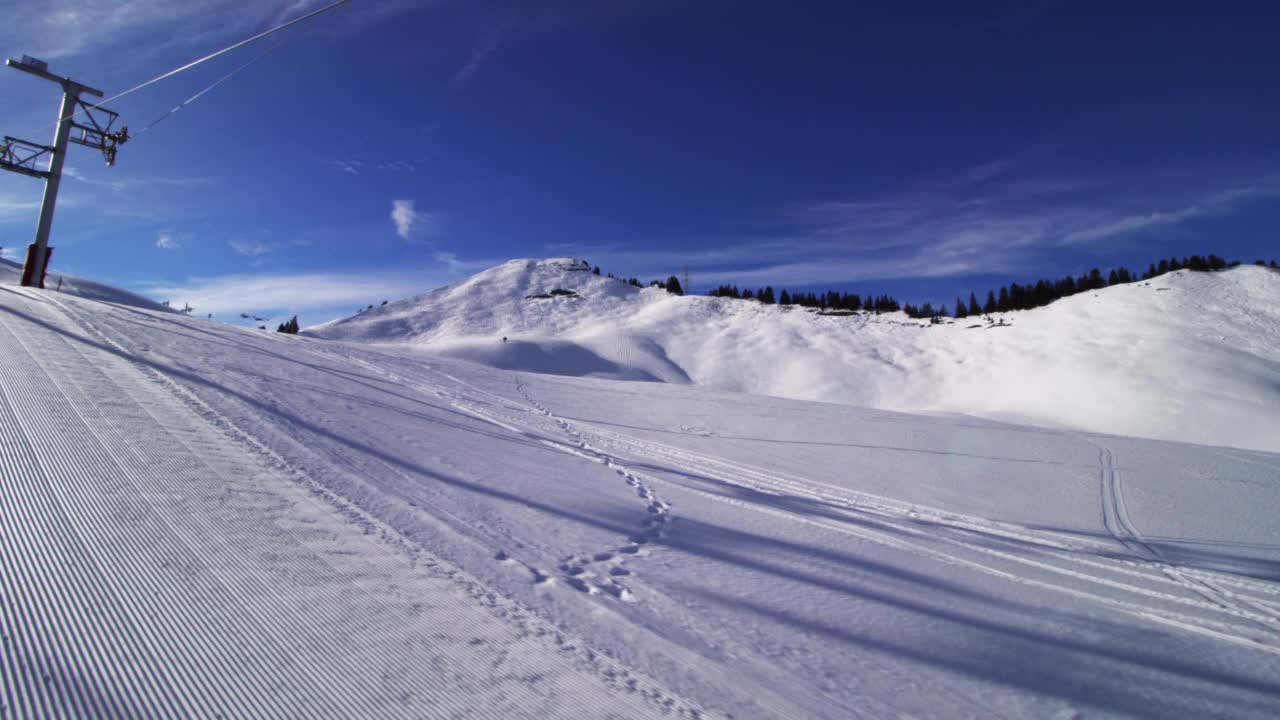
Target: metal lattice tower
<point>20,156</point>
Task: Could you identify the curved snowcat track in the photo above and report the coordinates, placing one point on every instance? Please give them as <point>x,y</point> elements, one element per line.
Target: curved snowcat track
<point>157,561</point>
<point>1145,587</point>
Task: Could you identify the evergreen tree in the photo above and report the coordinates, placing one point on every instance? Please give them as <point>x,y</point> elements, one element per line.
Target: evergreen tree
<point>961,310</point>
<point>1003,303</point>
<point>784,298</point>
<point>673,286</point>
<point>990,305</point>
<point>290,327</point>
<point>596,270</point>
<point>974,308</point>
<point>766,296</point>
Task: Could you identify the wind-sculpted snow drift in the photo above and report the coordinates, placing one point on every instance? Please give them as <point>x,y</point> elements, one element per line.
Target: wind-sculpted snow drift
<point>1187,356</point>
<point>199,520</point>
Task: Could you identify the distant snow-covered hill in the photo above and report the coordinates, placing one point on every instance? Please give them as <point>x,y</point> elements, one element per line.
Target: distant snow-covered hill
<point>1187,356</point>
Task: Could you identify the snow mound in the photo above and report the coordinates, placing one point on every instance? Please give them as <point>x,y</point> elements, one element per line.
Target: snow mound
<point>11,274</point>
<point>504,300</point>
<point>1187,356</point>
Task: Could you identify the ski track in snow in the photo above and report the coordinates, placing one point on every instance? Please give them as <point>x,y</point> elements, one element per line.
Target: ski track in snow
<point>160,562</point>
<point>1115,517</point>
<point>1144,586</point>
<point>1019,546</point>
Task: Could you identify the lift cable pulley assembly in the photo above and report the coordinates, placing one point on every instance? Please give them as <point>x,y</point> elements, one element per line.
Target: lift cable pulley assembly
<point>20,156</point>
<point>97,131</point>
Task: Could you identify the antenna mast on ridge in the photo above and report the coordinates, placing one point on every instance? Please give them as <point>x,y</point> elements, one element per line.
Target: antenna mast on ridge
<point>20,155</point>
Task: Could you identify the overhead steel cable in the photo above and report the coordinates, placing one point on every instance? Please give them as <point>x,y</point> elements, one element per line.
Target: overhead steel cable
<point>223,51</point>
<point>207,88</point>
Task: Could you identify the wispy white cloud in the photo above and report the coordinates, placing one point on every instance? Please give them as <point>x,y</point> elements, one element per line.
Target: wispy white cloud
<point>10,253</point>
<point>111,179</point>
<point>252,248</point>
<point>268,294</point>
<point>486,45</point>
<point>403,165</point>
<point>985,220</point>
<point>408,221</point>
<point>167,241</point>
<point>356,167</point>
<point>1217,204</point>
<point>454,265</point>
<point>53,29</point>
<point>15,207</point>
<point>347,166</point>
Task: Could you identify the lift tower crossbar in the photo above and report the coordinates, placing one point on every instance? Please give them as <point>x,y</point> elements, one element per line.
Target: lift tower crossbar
<point>20,155</point>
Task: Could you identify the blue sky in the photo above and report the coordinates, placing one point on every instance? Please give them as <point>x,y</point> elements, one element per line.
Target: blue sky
<point>922,149</point>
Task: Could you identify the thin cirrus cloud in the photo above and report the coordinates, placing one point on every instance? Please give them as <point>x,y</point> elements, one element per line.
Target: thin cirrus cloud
<point>486,45</point>
<point>15,208</point>
<point>167,241</point>
<point>973,225</point>
<point>351,167</point>
<point>268,292</point>
<point>356,167</point>
<point>53,29</point>
<point>1217,204</point>
<point>984,221</point>
<point>321,294</point>
<point>252,248</point>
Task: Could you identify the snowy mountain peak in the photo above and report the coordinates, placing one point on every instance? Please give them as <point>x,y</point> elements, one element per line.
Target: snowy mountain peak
<point>1126,359</point>
<point>523,297</point>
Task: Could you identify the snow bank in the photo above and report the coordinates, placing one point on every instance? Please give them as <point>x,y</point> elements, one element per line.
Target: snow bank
<point>1187,356</point>
<point>11,274</point>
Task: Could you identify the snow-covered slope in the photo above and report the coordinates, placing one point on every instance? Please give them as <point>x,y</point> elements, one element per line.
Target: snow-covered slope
<point>1186,356</point>
<point>198,520</point>
<point>11,274</point>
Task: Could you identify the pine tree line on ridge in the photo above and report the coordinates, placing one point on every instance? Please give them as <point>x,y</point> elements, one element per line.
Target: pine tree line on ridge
<point>1006,299</point>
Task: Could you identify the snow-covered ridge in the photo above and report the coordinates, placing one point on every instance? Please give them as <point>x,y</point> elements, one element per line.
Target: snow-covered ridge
<point>11,274</point>
<point>1186,356</point>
